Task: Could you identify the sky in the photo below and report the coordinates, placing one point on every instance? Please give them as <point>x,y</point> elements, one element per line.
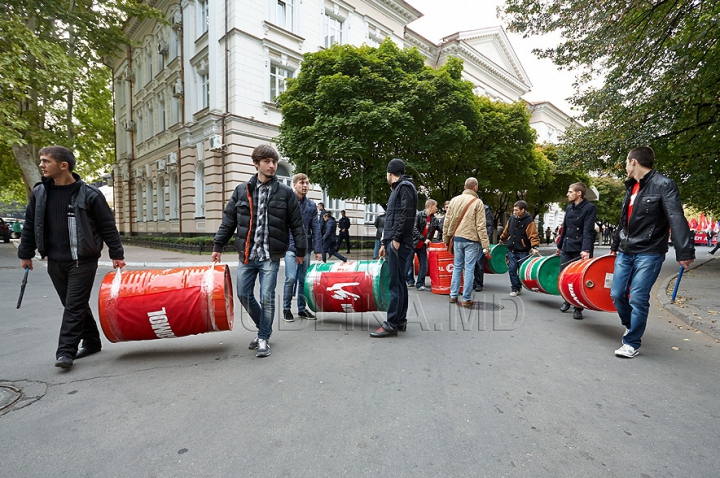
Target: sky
<point>445,17</point>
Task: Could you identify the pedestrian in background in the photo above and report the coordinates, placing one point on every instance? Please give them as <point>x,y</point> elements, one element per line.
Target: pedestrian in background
<point>465,225</point>
<point>344,226</point>
<point>522,238</point>
<point>379,226</point>
<point>67,221</point>
<point>651,207</point>
<point>294,272</point>
<point>577,240</point>
<point>262,213</point>
<point>397,245</point>
<point>329,239</point>
<point>426,224</point>
<point>479,276</point>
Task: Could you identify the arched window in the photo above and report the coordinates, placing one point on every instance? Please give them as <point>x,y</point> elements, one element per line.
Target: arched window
<point>140,215</point>
<point>161,198</point>
<point>283,174</point>
<point>149,200</point>
<point>174,196</point>
<point>199,190</point>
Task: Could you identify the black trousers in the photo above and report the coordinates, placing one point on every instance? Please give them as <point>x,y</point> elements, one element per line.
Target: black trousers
<point>344,236</point>
<point>74,282</point>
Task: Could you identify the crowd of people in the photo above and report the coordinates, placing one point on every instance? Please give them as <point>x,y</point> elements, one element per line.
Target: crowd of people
<point>68,221</point>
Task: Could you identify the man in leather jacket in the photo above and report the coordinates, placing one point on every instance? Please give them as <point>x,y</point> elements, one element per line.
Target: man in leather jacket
<point>651,208</point>
<point>67,221</point>
<point>264,212</point>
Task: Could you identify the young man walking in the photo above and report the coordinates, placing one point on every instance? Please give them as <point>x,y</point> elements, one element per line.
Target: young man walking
<point>577,240</point>
<point>294,272</point>
<point>264,212</point>
<point>651,208</point>
<point>522,238</point>
<point>397,245</point>
<point>67,221</point>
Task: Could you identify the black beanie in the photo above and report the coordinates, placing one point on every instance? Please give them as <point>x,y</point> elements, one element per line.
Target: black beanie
<point>396,166</point>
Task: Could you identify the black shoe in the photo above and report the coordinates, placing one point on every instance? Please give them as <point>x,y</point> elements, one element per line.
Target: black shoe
<point>85,351</point>
<point>64,361</point>
<point>307,314</point>
<point>402,328</point>
<point>564,307</point>
<point>577,314</point>
<point>288,316</point>
<point>347,252</point>
<point>381,332</point>
<point>478,288</point>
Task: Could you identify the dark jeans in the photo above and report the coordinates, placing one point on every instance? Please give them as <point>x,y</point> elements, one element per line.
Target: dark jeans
<point>422,270</point>
<point>514,261</point>
<point>479,279</point>
<point>331,250</point>
<point>344,235</point>
<point>397,310</point>
<point>73,283</point>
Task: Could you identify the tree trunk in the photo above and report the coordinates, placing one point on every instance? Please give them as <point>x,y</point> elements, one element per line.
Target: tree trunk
<point>27,158</point>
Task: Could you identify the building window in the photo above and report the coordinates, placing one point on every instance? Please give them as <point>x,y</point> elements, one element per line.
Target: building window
<point>160,62</point>
<point>148,66</point>
<point>140,206</point>
<point>149,200</point>
<point>204,90</point>
<point>161,198</point>
<point>283,174</point>
<point>333,31</point>
<point>175,111</point>
<point>175,43</point>
<point>372,211</point>
<point>174,196</point>
<point>162,123</point>
<point>277,80</point>
<point>199,190</point>
<point>139,130</point>
<point>203,15</point>
<point>150,123</point>
<point>284,14</point>
<point>334,205</point>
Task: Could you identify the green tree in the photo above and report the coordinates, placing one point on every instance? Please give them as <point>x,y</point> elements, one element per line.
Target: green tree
<point>648,73</point>
<point>351,109</point>
<point>609,205</point>
<point>53,87</point>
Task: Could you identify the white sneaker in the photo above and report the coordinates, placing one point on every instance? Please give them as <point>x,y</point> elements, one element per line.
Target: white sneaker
<point>626,351</point>
<point>513,294</point>
<point>263,349</point>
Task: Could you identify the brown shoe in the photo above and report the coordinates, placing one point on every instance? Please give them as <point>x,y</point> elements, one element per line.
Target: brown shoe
<point>467,303</point>
<point>453,300</point>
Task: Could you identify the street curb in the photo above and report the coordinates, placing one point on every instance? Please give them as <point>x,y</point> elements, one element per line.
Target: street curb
<point>688,313</point>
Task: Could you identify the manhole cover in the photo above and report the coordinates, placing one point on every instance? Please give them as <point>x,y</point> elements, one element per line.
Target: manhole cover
<point>487,306</point>
<point>8,396</point>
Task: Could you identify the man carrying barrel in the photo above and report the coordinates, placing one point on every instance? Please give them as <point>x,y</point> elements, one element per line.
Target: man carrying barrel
<point>651,208</point>
<point>67,221</point>
<point>264,211</point>
<point>577,240</point>
<point>521,236</point>
<point>397,245</point>
<point>294,272</point>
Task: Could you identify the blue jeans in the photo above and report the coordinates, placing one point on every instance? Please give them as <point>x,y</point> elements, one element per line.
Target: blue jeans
<point>397,310</point>
<point>466,254</point>
<point>422,270</point>
<point>376,249</point>
<point>634,275</point>
<point>514,261</point>
<point>261,313</point>
<point>295,280</point>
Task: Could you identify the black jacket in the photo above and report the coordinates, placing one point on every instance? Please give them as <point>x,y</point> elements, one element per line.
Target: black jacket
<point>329,236</point>
<point>379,226</point>
<point>489,223</point>
<point>420,222</point>
<point>578,229</point>
<point>400,213</point>
<point>656,210</point>
<point>344,223</point>
<point>283,216</point>
<point>520,233</point>
<point>93,223</point>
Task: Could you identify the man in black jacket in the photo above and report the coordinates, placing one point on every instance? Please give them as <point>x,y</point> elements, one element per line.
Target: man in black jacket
<point>651,208</point>
<point>329,240</point>
<point>521,235</point>
<point>397,245</point>
<point>426,224</point>
<point>577,240</point>
<point>264,211</point>
<point>67,221</point>
<point>344,225</point>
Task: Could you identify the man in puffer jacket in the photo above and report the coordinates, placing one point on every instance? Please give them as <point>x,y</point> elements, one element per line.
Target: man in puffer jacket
<point>522,238</point>
<point>264,212</point>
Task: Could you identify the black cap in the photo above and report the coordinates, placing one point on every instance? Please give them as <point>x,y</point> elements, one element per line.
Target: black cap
<point>396,166</point>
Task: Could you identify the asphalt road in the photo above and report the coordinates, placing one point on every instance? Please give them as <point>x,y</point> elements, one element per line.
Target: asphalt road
<point>524,392</point>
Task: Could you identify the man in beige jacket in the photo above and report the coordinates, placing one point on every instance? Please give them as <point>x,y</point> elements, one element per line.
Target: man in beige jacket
<point>465,221</point>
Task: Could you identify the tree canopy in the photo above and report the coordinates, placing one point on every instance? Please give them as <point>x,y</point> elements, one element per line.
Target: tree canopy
<point>351,109</point>
<point>648,74</point>
<point>53,87</point>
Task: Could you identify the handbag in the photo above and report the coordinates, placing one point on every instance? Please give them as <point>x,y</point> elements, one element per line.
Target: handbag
<point>452,238</point>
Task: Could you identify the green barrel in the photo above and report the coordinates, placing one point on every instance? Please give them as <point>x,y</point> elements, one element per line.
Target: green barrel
<point>541,274</point>
<point>353,286</point>
<point>497,262</point>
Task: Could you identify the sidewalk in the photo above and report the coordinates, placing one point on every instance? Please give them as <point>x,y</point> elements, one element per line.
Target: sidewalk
<point>698,299</point>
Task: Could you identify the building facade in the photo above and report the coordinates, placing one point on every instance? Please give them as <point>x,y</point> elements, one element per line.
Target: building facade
<point>196,96</point>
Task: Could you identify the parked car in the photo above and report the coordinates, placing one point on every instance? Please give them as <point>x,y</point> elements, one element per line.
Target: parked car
<point>4,230</point>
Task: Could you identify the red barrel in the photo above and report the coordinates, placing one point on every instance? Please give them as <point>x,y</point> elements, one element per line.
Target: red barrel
<point>440,268</point>
<point>154,304</point>
<point>586,283</point>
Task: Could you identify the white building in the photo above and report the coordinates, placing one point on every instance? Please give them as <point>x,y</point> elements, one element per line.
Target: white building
<point>196,96</point>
